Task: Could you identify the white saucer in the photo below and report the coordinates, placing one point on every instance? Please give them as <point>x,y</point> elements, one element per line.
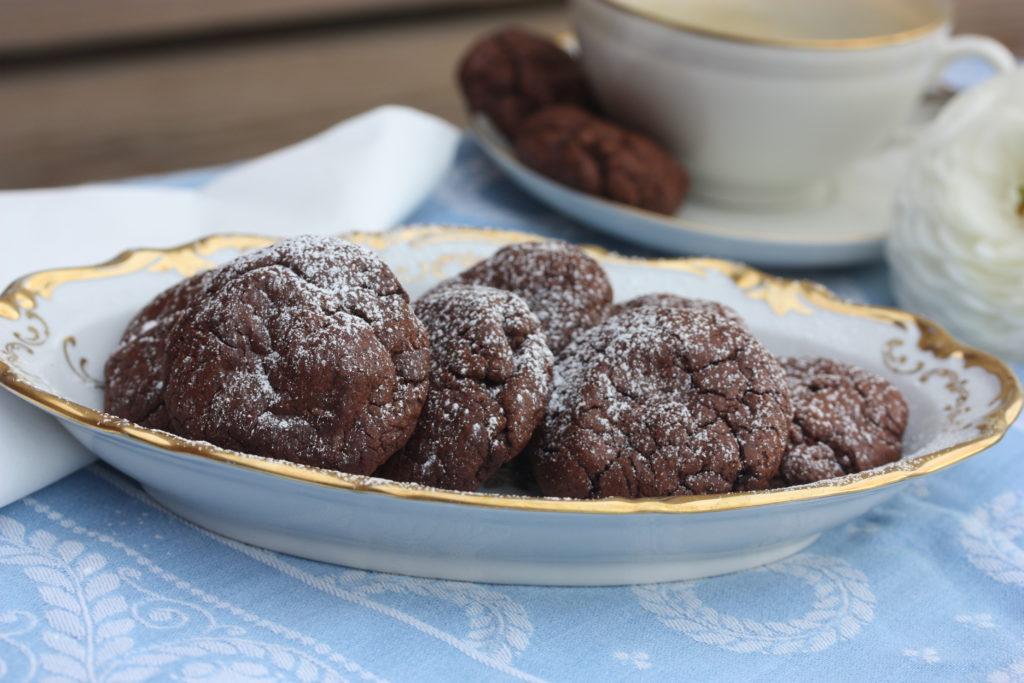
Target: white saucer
<point>849,228</point>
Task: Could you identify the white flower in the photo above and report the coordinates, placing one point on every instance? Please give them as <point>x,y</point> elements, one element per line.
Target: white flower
<point>957,246</point>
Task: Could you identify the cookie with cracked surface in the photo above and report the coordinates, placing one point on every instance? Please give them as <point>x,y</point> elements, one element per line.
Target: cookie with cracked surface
<point>593,155</point>
<point>513,73</point>
<point>489,384</point>
<point>660,401</point>
<point>565,288</point>
<point>674,300</point>
<point>845,419</point>
<point>306,351</point>
<point>136,372</point>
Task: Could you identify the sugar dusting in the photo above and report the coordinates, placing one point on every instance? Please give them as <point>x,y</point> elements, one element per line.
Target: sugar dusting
<point>153,332</point>
<point>490,379</point>
<point>846,420</point>
<point>307,350</point>
<point>676,301</point>
<point>566,289</point>
<point>660,400</point>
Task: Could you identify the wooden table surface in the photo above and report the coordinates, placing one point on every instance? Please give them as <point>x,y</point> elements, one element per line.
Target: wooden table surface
<point>96,89</point>
<point>101,112</point>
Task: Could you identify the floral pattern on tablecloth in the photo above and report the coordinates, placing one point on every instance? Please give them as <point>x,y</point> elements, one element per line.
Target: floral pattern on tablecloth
<point>98,583</point>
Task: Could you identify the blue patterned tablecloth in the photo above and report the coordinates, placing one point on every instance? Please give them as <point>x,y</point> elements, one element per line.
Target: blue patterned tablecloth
<point>97,582</point>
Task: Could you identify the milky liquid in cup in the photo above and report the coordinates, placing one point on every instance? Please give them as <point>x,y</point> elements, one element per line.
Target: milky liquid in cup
<point>791,20</point>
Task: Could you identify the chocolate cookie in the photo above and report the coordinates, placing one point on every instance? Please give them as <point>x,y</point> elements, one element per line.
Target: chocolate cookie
<point>306,351</point>
<point>489,384</point>
<point>674,300</point>
<point>567,290</point>
<point>136,373</point>
<point>583,151</point>
<point>660,401</point>
<point>845,420</point>
<point>512,74</point>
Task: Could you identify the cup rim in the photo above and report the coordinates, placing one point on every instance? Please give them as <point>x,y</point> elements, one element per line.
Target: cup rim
<point>943,15</point>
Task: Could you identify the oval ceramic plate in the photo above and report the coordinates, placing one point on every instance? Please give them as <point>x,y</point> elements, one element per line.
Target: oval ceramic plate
<point>849,229</point>
<point>58,327</point>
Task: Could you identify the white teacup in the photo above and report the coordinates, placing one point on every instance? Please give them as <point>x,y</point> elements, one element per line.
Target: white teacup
<point>766,100</point>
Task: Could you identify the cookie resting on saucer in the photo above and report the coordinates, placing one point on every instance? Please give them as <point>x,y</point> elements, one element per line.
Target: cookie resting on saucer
<point>565,288</point>
<point>661,401</point>
<point>577,148</point>
<point>489,384</point>
<point>845,420</point>
<point>513,73</point>
<point>306,351</point>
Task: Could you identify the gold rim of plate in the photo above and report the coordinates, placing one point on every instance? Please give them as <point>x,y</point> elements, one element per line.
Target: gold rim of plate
<point>942,15</point>
<point>23,294</point>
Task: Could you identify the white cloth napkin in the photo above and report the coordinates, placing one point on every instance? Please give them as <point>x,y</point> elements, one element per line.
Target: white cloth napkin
<point>368,173</point>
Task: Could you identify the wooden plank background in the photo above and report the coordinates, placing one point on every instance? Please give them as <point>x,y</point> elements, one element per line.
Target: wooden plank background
<point>130,111</point>
<point>46,25</point>
<point>95,89</point>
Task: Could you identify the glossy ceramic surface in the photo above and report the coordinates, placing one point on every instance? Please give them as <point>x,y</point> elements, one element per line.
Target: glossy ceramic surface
<point>762,124</point>
<point>849,228</point>
<point>58,327</point>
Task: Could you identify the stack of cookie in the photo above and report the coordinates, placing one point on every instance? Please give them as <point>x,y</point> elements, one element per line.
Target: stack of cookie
<point>311,351</point>
<point>537,96</point>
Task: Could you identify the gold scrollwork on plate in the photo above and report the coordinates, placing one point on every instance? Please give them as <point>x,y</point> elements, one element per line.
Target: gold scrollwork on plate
<point>782,295</point>
<point>36,332</point>
<point>23,295</point>
<point>81,366</point>
<point>954,385</point>
<point>186,263</point>
<point>900,363</point>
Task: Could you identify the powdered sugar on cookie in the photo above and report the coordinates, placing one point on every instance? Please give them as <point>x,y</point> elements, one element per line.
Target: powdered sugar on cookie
<point>490,380</point>
<point>663,400</point>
